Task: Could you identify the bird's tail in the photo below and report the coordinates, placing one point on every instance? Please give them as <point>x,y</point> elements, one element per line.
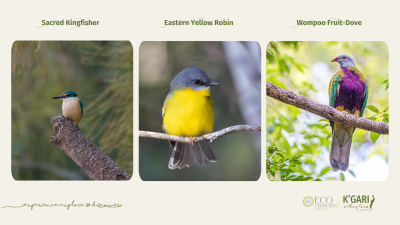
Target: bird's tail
<point>184,154</point>
<point>340,155</point>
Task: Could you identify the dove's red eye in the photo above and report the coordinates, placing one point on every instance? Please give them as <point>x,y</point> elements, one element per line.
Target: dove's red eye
<point>344,57</point>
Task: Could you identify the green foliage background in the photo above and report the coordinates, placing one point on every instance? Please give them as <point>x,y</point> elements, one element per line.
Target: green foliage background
<point>237,153</point>
<point>101,73</point>
<point>289,66</point>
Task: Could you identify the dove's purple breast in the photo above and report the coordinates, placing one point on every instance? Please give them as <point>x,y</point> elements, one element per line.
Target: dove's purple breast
<point>351,91</point>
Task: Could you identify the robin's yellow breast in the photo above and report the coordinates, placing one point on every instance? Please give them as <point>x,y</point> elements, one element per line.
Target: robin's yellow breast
<point>189,113</point>
<point>72,109</point>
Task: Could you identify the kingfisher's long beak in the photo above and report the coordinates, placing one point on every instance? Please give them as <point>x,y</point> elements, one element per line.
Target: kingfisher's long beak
<point>334,60</point>
<point>60,96</point>
<point>212,83</point>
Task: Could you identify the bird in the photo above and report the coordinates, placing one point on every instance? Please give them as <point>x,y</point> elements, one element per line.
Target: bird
<point>72,107</point>
<point>348,92</point>
<point>188,112</point>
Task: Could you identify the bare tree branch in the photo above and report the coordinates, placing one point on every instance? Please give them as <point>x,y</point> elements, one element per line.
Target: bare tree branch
<point>211,136</point>
<point>325,111</point>
<point>84,152</point>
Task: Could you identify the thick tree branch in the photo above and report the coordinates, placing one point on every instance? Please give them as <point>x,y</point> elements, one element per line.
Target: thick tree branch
<point>211,136</point>
<point>84,152</point>
<point>325,111</point>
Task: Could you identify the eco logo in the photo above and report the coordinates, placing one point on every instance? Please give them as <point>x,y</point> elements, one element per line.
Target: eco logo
<point>320,203</point>
<point>359,202</point>
<point>308,201</point>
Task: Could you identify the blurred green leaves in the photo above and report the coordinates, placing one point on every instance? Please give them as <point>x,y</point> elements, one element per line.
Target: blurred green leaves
<point>281,169</point>
<point>379,116</point>
<point>387,83</point>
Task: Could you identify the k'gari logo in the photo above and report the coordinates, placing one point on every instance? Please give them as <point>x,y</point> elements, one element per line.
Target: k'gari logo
<point>359,202</point>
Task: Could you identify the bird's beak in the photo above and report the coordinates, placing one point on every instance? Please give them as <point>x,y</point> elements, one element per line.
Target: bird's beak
<point>60,96</point>
<point>212,83</point>
<point>334,60</point>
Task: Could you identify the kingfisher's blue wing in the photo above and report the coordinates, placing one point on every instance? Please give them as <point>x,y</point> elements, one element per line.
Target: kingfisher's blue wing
<point>80,103</point>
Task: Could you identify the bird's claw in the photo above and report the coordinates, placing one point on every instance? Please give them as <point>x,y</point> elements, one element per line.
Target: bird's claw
<point>191,139</point>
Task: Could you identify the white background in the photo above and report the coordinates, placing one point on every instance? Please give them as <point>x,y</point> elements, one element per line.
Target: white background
<point>260,202</point>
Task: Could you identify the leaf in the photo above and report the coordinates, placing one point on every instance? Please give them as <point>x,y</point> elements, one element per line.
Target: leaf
<point>342,177</point>
<point>270,56</point>
<point>292,164</point>
<point>329,136</point>
<point>323,120</point>
<point>385,81</point>
<point>327,144</point>
<point>297,162</point>
<point>385,120</point>
<point>318,179</point>
<point>374,136</point>
<point>352,173</point>
<point>279,155</point>
<point>288,171</point>
<point>325,170</point>
<point>386,116</point>
<point>372,118</point>
<point>298,156</point>
<point>291,176</point>
<point>271,150</point>
<point>373,108</point>
<point>324,126</point>
<point>387,86</point>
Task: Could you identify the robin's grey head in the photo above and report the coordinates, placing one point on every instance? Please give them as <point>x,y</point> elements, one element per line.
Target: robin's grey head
<point>344,60</point>
<point>194,78</point>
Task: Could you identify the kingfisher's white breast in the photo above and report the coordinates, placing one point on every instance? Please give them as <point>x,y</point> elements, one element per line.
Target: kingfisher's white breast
<point>72,109</point>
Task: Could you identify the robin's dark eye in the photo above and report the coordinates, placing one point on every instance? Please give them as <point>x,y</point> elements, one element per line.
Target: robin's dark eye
<point>197,82</point>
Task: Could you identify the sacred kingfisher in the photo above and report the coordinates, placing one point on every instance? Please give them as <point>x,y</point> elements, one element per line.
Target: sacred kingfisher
<point>72,107</point>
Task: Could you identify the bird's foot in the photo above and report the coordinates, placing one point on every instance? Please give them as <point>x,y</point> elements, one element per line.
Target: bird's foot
<point>77,125</point>
<point>191,140</point>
